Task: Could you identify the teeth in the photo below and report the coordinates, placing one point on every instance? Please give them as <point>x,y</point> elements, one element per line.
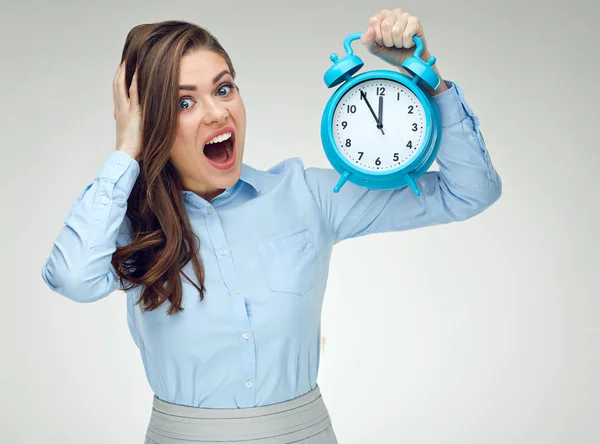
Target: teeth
<point>220,138</point>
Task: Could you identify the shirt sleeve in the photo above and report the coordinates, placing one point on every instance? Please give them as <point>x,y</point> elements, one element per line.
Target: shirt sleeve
<point>465,185</point>
<point>79,265</point>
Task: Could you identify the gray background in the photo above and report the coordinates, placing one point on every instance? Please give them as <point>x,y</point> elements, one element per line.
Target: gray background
<point>481,331</point>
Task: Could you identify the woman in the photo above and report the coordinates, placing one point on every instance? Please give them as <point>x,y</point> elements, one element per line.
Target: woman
<point>224,265</point>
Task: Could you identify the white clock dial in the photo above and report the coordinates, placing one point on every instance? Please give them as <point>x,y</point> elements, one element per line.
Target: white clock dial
<point>365,143</point>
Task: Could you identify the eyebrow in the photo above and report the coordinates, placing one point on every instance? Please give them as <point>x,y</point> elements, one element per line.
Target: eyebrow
<point>215,80</point>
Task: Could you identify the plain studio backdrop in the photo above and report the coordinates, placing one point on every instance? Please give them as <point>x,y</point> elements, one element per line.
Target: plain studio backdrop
<point>484,331</point>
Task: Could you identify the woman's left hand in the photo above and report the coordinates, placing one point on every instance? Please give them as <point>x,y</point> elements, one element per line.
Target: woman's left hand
<point>390,36</point>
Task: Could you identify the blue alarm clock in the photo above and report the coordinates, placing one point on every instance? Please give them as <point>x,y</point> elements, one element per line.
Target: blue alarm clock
<point>381,129</point>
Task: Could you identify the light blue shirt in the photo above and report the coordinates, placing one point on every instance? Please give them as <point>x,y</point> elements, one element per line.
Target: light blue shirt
<point>266,243</point>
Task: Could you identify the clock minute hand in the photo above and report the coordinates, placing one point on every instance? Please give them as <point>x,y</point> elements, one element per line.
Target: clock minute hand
<point>379,125</point>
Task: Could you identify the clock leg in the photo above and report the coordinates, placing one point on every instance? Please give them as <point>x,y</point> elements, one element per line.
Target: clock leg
<point>413,185</point>
<point>342,181</point>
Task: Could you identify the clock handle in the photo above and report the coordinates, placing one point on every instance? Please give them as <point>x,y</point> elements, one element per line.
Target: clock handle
<point>348,42</point>
<point>355,36</point>
<point>419,68</point>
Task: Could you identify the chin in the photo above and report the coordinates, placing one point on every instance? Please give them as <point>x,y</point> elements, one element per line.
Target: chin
<point>230,179</point>
<point>223,178</point>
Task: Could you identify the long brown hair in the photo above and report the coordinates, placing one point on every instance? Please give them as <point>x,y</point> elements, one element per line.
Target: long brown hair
<point>162,238</point>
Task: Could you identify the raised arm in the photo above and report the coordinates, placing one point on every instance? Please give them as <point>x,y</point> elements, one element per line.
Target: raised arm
<point>465,185</point>
<point>79,265</point>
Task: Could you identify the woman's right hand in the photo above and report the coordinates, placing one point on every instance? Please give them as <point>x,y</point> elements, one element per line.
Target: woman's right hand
<point>127,114</point>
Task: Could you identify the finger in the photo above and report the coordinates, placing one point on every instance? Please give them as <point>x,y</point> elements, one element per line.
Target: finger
<point>368,37</point>
<point>121,95</point>
<point>410,31</point>
<point>133,89</point>
<point>386,30</point>
<point>122,87</point>
<point>116,100</point>
<point>398,30</point>
<point>375,22</point>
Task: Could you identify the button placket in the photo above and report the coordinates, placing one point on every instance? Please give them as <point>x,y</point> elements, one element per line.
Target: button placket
<point>237,306</point>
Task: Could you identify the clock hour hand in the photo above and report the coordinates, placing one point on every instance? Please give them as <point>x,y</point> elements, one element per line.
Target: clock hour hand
<point>379,125</point>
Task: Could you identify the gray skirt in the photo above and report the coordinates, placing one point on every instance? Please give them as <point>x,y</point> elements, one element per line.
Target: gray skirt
<point>301,420</point>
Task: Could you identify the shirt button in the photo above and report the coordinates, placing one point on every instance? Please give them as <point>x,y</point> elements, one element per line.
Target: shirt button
<point>105,200</point>
<point>246,335</point>
<point>236,291</point>
<point>223,251</point>
<point>117,167</point>
<point>248,383</point>
<point>209,210</point>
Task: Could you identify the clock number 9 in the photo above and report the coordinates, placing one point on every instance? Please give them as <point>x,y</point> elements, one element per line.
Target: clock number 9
<point>344,124</point>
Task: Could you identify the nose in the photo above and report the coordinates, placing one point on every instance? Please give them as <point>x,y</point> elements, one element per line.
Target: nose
<point>215,113</point>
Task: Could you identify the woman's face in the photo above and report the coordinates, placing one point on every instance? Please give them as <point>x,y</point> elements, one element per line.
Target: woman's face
<point>208,104</point>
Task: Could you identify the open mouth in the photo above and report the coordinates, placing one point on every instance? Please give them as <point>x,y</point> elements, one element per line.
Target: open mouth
<point>220,152</point>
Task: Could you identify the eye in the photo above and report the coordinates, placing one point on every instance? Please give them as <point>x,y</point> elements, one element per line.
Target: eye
<point>184,99</point>
<point>225,87</point>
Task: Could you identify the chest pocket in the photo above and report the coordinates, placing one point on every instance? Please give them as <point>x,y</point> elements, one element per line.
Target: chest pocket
<point>289,262</point>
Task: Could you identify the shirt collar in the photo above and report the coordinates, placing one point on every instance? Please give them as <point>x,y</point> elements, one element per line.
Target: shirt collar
<point>251,176</point>
<point>248,175</point>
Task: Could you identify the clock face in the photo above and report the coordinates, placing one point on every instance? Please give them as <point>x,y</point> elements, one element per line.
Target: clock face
<point>379,124</point>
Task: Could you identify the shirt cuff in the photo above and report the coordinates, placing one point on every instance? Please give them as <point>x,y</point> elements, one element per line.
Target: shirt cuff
<point>451,104</point>
<point>121,169</point>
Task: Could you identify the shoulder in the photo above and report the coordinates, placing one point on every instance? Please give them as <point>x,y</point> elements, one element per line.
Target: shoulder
<point>270,176</point>
<point>293,166</point>
<point>286,167</point>
<point>293,172</point>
